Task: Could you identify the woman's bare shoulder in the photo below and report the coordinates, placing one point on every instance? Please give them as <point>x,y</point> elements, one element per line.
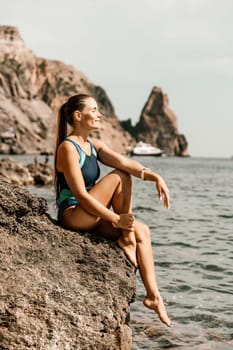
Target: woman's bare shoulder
<point>66,146</point>
<point>66,152</point>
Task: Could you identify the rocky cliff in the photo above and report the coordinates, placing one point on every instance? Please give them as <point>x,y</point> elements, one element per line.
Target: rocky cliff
<point>158,125</point>
<point>59,289</point>
<point>31,91</point>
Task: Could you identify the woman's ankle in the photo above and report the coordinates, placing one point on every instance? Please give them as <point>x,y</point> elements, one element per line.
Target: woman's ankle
<point>155,296</point>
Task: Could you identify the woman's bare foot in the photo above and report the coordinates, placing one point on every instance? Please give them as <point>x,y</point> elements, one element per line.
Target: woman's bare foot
<point>157,304</point>
<point>129,250</point>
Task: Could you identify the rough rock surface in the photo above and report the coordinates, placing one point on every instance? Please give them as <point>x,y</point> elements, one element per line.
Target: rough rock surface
<point>31,174</point>
<point>158,125</point>
<point>31,91</point>
<point>59,289</point>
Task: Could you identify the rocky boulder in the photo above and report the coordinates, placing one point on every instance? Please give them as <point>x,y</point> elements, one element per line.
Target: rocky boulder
<point>31,174</point>
<point>42,173</point>
<point>60,289</point>
<point>15,173</point>
<point>158,125</point>
<point>31,91</point>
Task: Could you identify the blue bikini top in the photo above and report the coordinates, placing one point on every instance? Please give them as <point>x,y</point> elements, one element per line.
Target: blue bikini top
<point>89,168</point>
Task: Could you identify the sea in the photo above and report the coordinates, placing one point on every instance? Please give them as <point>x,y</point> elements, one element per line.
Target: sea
<point>193,251</point>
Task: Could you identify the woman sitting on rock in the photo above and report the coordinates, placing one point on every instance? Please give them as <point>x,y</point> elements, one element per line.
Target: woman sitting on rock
<point>84,203</point>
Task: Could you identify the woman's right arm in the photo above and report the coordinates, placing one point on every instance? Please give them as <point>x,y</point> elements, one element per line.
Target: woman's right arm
<point>68,164</point>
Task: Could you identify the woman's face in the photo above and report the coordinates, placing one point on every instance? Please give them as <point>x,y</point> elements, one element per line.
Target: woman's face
<point>90,115</point>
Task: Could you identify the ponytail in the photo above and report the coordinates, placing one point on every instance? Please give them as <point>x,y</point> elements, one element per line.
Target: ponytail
<point>61,124</point>
<point>61,135</point>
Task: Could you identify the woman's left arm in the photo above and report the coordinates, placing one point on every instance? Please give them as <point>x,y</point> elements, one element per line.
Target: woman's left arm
<point>116,160</point>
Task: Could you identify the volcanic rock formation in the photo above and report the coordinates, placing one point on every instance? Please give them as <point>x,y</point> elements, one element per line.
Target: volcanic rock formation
<point>158,125</point>
<point>59,289</point>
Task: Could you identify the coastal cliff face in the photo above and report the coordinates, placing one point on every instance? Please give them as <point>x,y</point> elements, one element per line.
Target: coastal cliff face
<point>31,91</point>
<point>61,289</point>
<point>158,125</point>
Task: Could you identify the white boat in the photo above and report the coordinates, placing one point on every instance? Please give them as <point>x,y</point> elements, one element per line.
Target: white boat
<point>145,149</point>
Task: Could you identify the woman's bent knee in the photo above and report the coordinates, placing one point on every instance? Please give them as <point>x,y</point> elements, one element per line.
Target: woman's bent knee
<point>124,178</point>
<point>142,232</point>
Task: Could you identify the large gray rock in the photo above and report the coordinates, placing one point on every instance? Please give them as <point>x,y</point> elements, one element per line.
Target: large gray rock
<point>59,289</point>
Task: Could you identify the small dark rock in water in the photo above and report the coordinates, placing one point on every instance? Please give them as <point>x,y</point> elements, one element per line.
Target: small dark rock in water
<point>59,289</point>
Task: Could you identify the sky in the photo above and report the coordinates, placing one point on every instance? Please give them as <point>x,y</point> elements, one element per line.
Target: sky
<point>128,46</point>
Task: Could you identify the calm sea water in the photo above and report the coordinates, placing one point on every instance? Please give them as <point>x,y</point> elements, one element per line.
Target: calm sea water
<point>192,244</point>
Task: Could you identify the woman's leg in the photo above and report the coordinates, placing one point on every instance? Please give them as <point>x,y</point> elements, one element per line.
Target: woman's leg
<point>145,260</point>
<point>153,299</point>
<point>114,189</point>
<point>122,203</point>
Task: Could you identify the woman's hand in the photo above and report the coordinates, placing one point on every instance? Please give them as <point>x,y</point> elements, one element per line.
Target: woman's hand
<point>163,191</point>
<point>125,221</point>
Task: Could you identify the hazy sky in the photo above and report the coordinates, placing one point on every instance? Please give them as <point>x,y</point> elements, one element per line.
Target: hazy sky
<point>128,46</point>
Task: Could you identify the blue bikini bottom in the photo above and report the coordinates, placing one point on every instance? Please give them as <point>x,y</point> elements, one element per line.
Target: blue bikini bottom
<point>66,203</point>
